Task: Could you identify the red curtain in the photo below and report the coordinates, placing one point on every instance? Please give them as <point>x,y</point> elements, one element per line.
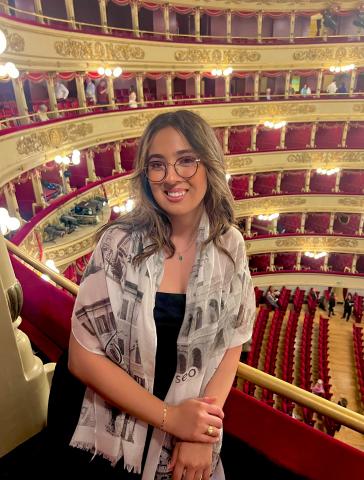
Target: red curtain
<point>213,13</point>
<point>265,183</point>
<point>289,222</point>
<point>298,136</point>
<point>239,140</point>
<point>311,263</point>
<point>317,223</point>
<point>293,181</point>
<point>151,6</point>
<point>67,75</point>
<point>121,2</point>
<point>128,153</point>
<point>329,135</point>
<point>260,262</point>
<point>355,138</point>
<point>35,77</point>
<point>244,14</point>
<point>104,163</point>
<point>71,273</point>
<point>322,183</point>
<point>285,260</point>
<point>239,186</point>
<point>338,261</point>
<point>346,223</point>
<point>181,10</point>
<point>268,139</point>
<point>352,181</point>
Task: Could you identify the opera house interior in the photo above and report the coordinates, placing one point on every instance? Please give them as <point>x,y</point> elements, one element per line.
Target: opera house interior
<point>282,85</point>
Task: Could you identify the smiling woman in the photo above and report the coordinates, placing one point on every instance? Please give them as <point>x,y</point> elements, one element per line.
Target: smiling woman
<point>163,310</point>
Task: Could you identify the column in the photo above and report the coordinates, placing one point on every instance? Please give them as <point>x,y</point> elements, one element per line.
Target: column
<point>39,11</point>
<point>4,5</point>
<point>319,83</point>
<point>307,181</point>
<point>135,18</point>
<point>226,141</point>
<point>70,10</point>
<point>81,96</point>
<point>228,26</point>
<point>353,264</point>
<point>303,222</point>
<point>326,263</point>
<point>11,201</point>
<point>251,184</point>
<point>103,16</point>
<point>278,182</point>
<point>260,26</point>
<point>282,139</point>
<point>198,24</point>
<point>271,262</point>
<point>169,89</point>
<point>118,168</point>
<point>287,84</point>
<point>37,189</point>
<point>21,102</point>
<point>140,92</point>
<point>298,261</point>
<point>273,230</point>
<point>198,86</point>
<point>352,82</point>
<point>166,21</point>
<point>256,85</point>
<point>90,167</point>
<point>248,226</point>
<point>337,182</point>
<point>345,134</point>
<point>227,88</point>
<point>361,225</point>
<point>110,92</point>
<point>52,95</point>
<point>313,135</point>
<point>66,186</point>
<point>292,26</point>
<point>253,145</point>
<point>331,223</point>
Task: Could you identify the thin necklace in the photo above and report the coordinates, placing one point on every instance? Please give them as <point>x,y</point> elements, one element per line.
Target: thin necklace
<point>180,254</point>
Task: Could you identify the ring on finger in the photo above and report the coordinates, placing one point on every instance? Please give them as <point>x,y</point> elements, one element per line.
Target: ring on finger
<point>210,431</point>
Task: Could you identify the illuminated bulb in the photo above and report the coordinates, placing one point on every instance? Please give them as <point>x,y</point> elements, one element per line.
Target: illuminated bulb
<point>117,71</point>
<point>76,160</point>
<point>14,73</point>
<point>116,209</point>
<point>58,159</point>
<point>66,160</point>
<point>218,71</point>
<point>3,214</point>
<point>214,72</point>
<point>228,177</point>
<point>2,42</point>
<point>129,205</point>
<point>337,69</point>
<point>108,72</point>
<point>3,71</point>
<point>13,224</point>
<point>101,70</point>
<point>76,157</point>
<point>332,69</point>
<point>51,265</point>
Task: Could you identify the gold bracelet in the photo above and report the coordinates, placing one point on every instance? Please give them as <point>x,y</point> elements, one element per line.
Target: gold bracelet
<point>165,410</point>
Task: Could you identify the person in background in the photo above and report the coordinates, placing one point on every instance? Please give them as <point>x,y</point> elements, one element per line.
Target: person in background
<point>61,91</point>
<point>102,96</point>
<point>332,303</point>
<point>332,88</point>
<point>318,388</point>
<point>268,93</point>
<point>342,88</point>
<point>90,91</point>
<point>271,298</point>
<point>291,90</point>
<point>42,113</point>
<point>348,307</point>
<point>305,90</point>
<point>132,97</point>
<point>158,368</point>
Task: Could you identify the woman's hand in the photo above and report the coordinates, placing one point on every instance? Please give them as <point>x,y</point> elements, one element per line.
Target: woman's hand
<point>191,461</point>
<point>195,420</point>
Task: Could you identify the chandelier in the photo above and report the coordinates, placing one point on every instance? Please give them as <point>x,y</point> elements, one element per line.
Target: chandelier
<point>116,72</point>
<point>324,171</point>
<point>66,160</point>
<point>218,72</point>
<point>316,255</point>
<point>341,68</point>
<point>8,224</point>
<point>268,218</point>
<point>9,70</point>
<point>275,125</point>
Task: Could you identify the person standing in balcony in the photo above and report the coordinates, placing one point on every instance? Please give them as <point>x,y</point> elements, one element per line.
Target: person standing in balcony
<point>102,96</point>
<point>42,115</point>
<point>132,97</point>
<point>62,91</point>
<point>90,91</point>
<point>348,306</point>
<point>342,89</point>
<point>305,90</point>
<point>332,88</point>
<point>332,303</point>
<point>268,94</point>
<point>157,362</point>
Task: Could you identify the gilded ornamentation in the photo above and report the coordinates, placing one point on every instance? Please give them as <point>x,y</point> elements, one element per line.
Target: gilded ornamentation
<point>52,138</point>
<point>216,56</point>
<point>78,248</point>
<point>359,108</point>
<point>233,163</point>
<point>352,201</point>
<point>15,42</point>
<point>96,50</point>
<point>326,158</point>
<point>338,54</point>
<point>322,243</point>
<point>139,120</point>
<point>271,110</point>
<point>268,205</point>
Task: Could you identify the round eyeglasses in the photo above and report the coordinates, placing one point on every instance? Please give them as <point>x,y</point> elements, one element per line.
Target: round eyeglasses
<point>185,167</point>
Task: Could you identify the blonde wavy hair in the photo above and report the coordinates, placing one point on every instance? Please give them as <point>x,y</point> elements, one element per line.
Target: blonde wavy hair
<point>148,217</point>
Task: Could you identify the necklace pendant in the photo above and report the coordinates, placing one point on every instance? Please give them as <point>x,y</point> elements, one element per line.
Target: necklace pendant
<point>180,258</point>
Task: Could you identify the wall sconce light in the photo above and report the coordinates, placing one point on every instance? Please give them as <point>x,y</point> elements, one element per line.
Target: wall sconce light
<point>67,161</point>
<point>218,72</point>
<point>324,171</point>
<point>116,72</point>
<point>9,70</point>
<point>8,224</point>
<point>342,69</point>
<point>125,207</point>
<point>275,125</point>
<point>268,218</point>
<point>316,255</point>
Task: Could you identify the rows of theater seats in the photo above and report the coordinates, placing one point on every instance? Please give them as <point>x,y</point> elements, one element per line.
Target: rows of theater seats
<point>359,359</point>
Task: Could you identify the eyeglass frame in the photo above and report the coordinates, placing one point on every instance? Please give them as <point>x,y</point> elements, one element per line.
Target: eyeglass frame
<point>197,160</point>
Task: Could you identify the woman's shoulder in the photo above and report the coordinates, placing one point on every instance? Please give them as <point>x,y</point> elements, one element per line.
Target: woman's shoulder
<point>233,237</point>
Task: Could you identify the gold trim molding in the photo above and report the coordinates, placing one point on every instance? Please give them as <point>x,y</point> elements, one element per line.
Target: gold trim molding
<point>334,54</point>
<point>304,243</point>
<point>15,42</point>
<point>204,55</point>
<point>272,110</point>
<point>299,203</point>
<point>90,50</point>
<point>309,279</point>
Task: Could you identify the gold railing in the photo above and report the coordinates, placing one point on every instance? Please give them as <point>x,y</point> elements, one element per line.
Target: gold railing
<point>168,36</point>
<point>302,397</point>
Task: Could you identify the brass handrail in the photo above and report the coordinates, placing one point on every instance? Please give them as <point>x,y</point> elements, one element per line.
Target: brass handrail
<point>60,280</point>
<point>169,35</point>
<point>342,415</point>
